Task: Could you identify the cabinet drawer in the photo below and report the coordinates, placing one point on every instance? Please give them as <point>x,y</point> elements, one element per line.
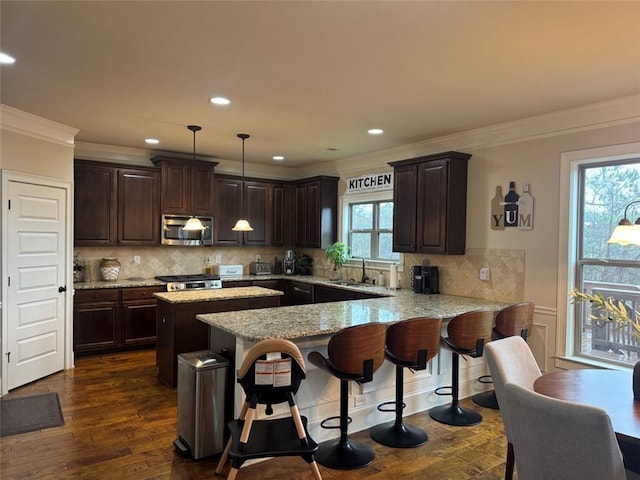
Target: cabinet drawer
<point>98,295</point>
<point>141,293</point>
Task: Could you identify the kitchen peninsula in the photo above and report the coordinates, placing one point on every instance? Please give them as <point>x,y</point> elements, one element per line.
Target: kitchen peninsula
<point>178,331</point>
<point>311,326</point>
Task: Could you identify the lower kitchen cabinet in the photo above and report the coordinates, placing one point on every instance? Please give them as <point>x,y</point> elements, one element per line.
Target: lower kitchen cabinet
<point>179,331</point>
<point>111,319</point>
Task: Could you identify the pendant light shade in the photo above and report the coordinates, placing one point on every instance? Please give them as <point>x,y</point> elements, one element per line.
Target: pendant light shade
<point>626,233</point>
<point>194,223</point>
<point>242,225</point>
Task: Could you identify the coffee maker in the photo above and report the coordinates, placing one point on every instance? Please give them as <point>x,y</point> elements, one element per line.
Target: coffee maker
<point>424,279</point>
<point>289,262</point>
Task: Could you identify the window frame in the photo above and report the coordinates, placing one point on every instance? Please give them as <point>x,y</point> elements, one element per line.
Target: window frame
<point>345,203</point>
<point>568,253</point>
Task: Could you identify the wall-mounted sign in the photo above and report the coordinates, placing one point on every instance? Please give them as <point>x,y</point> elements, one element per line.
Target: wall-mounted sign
<point>370,183</point>
<point>512,209</point>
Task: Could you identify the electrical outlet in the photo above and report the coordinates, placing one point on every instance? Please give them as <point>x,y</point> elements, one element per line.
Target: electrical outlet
<point>218,258</point>
<point>485,274</point>
<point>258,258</point>
<point>207,261</point>
<point>136,259</point>
<point>360,400</point>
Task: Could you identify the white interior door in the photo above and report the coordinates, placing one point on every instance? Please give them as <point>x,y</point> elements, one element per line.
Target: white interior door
<point>36,259</point>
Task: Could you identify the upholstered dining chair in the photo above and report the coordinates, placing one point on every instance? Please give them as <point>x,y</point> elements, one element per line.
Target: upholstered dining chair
<point>510,361</point>
<point>556,439</point>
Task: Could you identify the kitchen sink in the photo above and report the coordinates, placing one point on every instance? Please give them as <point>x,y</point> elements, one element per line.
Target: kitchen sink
<point>350,284</point>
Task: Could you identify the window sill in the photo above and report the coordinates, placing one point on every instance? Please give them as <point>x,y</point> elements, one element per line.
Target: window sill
<point>573,362</point>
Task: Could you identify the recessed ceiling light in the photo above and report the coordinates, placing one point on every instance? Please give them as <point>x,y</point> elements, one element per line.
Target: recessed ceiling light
<point>220,101</point>
<point>375,131</point>
<point>152,141</point>
<point>278,157</point>
<point>6,59</point>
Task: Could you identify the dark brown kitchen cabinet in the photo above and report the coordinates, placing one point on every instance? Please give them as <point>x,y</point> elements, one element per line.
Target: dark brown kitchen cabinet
<point>139,308</point>
<point>179,331</point>
<point>95,204</point>
<point>138,207</point>
<point>96,320</point>
<point>281,215</point>
<point>323,294</point>
<point>316,212</point>
<point>115,205</point>
<point>228,209</point>
<point>187,186</point>
<point>430,204</point>
<point>112,319</point>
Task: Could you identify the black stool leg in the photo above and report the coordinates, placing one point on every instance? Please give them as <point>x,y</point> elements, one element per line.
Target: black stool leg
<point>454,414</point>
<point>397,434</point>
<point>341,453</point>
<point>486,400</point>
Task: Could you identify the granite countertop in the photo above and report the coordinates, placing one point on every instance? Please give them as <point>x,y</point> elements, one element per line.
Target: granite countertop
<point>300,321</point>
<point>216,294</point>
<point>120,283</point>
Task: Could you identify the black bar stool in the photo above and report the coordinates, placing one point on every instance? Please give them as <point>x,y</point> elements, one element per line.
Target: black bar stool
<point>467,335</point>
<point>355,353</point>
<point>513,320</point>
<point>270,374</point>
<point>410,344</point>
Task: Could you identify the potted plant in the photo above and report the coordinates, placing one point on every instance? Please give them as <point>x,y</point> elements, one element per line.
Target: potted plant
<point>337,253</point>
<point>610,310</point>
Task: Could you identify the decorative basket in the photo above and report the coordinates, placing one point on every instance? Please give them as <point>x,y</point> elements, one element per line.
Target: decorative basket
<point>110,268</point>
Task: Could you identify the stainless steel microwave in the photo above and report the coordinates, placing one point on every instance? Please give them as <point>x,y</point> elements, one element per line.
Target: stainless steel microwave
<point>173,232</point>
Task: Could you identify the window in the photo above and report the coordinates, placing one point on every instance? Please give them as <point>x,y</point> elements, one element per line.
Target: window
<point>368,226</point>
<point>605,188</point>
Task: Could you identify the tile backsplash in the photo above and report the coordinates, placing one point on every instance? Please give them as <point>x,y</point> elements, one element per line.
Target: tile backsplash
<point>459,274</point>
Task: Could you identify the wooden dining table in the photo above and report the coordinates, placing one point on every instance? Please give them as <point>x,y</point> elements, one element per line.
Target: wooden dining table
<point>610,390</point>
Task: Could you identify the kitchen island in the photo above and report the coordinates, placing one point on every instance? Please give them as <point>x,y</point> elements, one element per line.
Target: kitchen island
<point>311,326</point>
<point>178,331</point>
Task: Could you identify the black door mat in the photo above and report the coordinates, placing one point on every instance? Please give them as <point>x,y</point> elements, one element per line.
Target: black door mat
<point>28,414</point>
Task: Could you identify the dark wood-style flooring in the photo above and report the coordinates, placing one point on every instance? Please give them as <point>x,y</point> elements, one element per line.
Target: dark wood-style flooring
<point>120,422</point>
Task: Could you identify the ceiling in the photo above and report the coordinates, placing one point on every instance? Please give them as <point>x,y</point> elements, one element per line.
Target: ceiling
<point>307,79</point>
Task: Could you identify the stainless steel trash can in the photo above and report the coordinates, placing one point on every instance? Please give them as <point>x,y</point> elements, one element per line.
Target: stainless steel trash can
<point>202,380</point>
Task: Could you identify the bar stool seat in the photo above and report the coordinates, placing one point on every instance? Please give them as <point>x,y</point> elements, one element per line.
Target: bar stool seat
<point>410,344</point>
<point>467,335</point>
<point>513,320</point>
<point>354,354</point>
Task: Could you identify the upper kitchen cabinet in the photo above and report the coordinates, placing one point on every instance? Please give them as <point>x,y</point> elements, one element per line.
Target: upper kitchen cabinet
<point>316,211</point>
<point>228,209</point>
<point>430,204</point>
<point>187,186</point>
<point>115,204</point>
<point>280,224</point>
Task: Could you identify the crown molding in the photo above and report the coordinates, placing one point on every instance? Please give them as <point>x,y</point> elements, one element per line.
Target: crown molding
<point>23,123</point>
<point>609,113</point>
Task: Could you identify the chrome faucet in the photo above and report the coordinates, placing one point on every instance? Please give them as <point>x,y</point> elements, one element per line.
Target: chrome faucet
<point>364,274</point>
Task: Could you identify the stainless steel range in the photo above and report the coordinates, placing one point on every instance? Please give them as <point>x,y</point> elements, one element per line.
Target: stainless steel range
<point>198,281</point>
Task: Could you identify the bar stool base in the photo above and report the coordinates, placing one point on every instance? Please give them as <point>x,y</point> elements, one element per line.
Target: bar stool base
<point>455,415</point>
<point>391,434</point>
<point>344,456</point>
<point>487,400</point>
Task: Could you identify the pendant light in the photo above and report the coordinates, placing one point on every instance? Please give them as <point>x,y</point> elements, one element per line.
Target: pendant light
<point>242,225</point>
<point>194,223</point>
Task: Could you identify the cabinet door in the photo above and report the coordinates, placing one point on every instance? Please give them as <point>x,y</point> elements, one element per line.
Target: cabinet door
<point>432,207</point>
<point>96,326</point>
<point>314,213</point>
<point>138,207</point>
<point>139,322</point>
<point>278,223</point>
<point>95,211</point>
<point>258,208</point>
<point>175,187</point>
<point>202,189</point>
<point>301,215</point>
<point>227,210</point>
<point>404,209</point>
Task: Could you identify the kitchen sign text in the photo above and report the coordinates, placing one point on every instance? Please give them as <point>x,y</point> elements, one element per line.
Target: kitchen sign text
<point>370,183</point>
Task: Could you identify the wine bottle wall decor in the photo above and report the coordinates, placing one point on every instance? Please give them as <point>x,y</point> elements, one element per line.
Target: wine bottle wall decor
<point>512,210</point>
